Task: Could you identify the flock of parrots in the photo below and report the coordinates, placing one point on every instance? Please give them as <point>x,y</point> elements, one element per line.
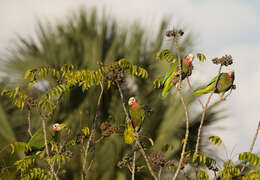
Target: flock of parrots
<point>137,112</point>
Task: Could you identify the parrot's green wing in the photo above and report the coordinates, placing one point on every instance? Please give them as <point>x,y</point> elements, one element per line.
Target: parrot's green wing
<point>171,70</point>
<point>167,81</point>
<point>36,142</point>
<point>168,84</point>
<point>137,116</point>
<point>224,84</point>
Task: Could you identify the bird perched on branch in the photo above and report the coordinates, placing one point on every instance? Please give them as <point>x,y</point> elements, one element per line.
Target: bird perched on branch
<point>224,83</point>
<point>37,143</point>
<point>137,115</point>
<point>173,76</point>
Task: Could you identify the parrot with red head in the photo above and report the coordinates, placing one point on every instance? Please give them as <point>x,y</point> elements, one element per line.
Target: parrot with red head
<point>137,115</point>
<point>172,77</point>
<point>225,82</point>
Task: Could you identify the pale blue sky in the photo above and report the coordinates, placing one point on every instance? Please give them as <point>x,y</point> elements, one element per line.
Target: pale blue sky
<point>222,27</point>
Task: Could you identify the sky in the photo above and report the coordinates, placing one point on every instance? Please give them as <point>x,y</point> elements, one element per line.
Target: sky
<point>221,27</point>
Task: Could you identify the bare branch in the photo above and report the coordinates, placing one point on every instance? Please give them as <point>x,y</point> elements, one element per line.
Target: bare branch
<point>196,97</point>
<point>53,173</point>
<point>29,121</point>
<point>159,173</point>
<point>83,175</point>
<point>186,134</point>
<point>133,166</point>
<point>179,88</point>
<point>256,134</point>
<point>252,145</point>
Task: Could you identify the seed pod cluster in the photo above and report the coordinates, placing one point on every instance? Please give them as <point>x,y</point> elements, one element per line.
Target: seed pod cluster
<point>107,130</point>
<point>174,33</point>
<point>127,159</point>
<point>157,160</point>
<point>115,73</point>
<point>224,60</point>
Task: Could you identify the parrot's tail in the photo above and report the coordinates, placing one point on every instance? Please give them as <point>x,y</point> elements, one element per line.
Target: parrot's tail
<point>164,93</point>
<point>128,134</point>
<point>200,91</point>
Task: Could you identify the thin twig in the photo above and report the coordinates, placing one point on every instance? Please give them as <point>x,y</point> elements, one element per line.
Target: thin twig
<point>83,175</point>
<point>136,136</point>
<point>252,145</point>
<point>53,173</point>
<point>101,138</point>
<point>179,88</point>
<point>29,122</point>
<point>159,173</point>
<point>256,134</point>
<point>91,162</point>
<point>186,135</point>
<point>133,166</point>
<point>204,112</point>
<point>196,97</point>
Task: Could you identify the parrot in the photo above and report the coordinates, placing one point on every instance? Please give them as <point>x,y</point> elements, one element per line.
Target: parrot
<point>137,115</point>
<point>36,142</point>
<point>225,82</point>
<point>172,77</point>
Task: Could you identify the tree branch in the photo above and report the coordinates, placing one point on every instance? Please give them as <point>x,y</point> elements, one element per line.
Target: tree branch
<point>179,88</point>
<point>53,173</point>
<point>29,121</point>
<point>133,166</point>
<point>186,134</point>
<point>92,134</point>
<point>254,140</point>
<point>196,97</point>
<point>159,173</point>
<point>252,145</point>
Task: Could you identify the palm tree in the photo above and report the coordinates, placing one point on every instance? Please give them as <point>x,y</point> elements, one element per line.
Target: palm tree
<point>83,41</point>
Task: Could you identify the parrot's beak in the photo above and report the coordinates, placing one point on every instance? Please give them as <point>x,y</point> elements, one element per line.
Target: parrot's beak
<point>62,126</point>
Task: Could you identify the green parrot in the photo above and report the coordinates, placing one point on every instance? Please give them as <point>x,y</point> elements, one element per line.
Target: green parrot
<point>225,82</point>
<point>36,142</point>
<point>137,115</point>
<point>172,77</point>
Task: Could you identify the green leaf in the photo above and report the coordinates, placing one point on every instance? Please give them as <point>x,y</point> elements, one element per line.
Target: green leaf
<point>202,175</point>
<point>85,131</point>
<point>216,140</point>
<point>201,57</point>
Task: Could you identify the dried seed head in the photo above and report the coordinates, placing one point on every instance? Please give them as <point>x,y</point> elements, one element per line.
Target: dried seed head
<point>224,60</point>
<point>115,129</point>
<point>157,160</point>
<point>79,138</point>
<point>105,125</point>
<point>106,132</point>
<point>127,159</point>
<point>68,154</point>
<point>174,33</point>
